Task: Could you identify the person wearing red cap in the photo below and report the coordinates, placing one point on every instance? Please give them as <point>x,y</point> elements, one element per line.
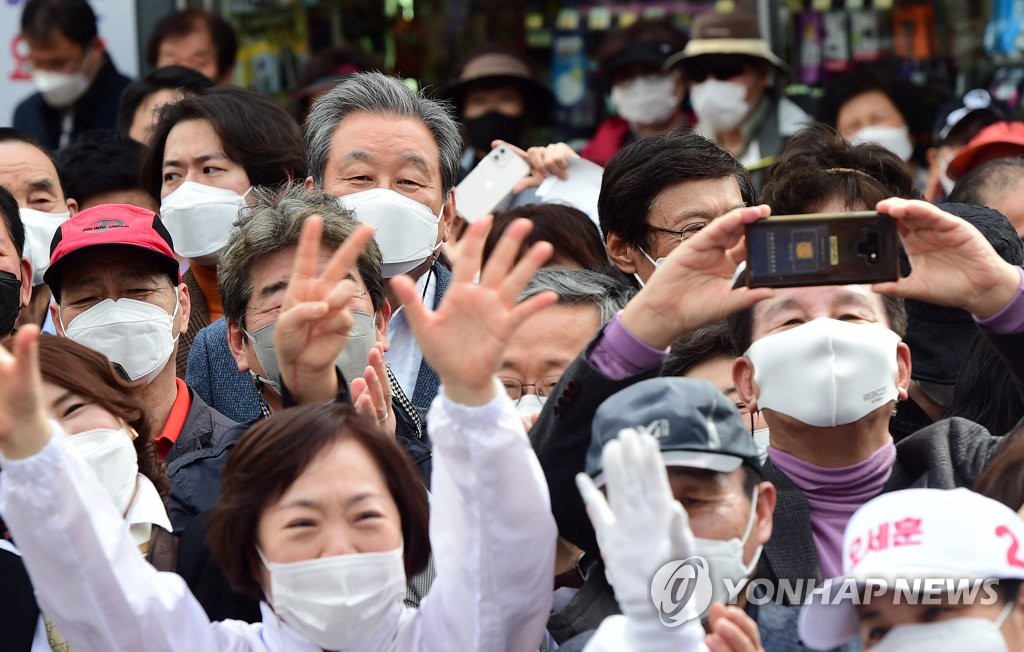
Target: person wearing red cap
<point>118,291</point>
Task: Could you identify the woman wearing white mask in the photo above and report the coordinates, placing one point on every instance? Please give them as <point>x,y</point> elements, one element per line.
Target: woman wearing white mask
<point>319,514</point>
<point>205,154</point>
<point>646,99</point>
<point>105,429</point>
<point>924,569</point>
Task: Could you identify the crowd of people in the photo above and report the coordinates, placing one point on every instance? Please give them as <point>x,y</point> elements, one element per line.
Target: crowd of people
<point>262,387</point>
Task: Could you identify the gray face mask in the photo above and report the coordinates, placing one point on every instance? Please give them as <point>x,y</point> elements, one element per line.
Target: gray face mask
<point>351,361</point>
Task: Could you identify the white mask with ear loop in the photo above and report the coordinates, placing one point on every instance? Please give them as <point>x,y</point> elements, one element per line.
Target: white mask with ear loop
<point>406,230</point>
<point>656,263</point>
<point>725,559</point>
<point>953,635</point>
<point>200,218</point>
<point>111,454</point>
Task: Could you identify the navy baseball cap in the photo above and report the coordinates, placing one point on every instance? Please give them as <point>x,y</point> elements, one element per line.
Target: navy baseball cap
<point>696,425</point>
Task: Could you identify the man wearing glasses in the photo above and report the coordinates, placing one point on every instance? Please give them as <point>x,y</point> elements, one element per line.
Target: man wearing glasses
<point>730,73</point>
<point>660,190</point>
<point>79,87</point>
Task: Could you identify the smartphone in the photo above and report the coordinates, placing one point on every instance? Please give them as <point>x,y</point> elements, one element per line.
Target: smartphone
<point>822,249</point>
<point>489,183</point>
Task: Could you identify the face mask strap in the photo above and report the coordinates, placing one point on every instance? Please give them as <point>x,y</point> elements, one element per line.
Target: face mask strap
<point>1005,613</point>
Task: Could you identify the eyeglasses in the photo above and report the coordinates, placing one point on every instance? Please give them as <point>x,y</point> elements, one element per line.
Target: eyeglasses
<point>684,233</point>
<point>544,386</point>
<point>718,66</point>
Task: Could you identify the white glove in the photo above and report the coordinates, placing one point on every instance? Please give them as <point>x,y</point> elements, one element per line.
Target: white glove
<point>640,528</point>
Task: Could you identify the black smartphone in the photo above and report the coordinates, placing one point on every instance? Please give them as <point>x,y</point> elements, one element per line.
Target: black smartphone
<point>822,249</point>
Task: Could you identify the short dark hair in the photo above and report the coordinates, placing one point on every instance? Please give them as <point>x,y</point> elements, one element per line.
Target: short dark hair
<point>741,324</point>
<point>12,220</point>
<point>982,395</point>
<point>254,131</point>
<point>176,78</point>
<point>862,80</point>
<point>12,135</point>
<point>819,165</point>
<point>272,454</point>
<point>697,347</point>
<point>569,230</point>
<point>641,170</point>
<point>75,19</point>
<point>187,21</point>
<point>98,162</point>
<point>990,178</point>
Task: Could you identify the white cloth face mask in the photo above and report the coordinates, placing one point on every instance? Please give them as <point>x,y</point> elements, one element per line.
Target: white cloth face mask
<point>39,230</point>
<point>60,89</point>
<point>953,635</point>
<point>406,229</point>
<point>135,335</point>
<point>200,218</point>
<point>762,441</point>
<point>530,404</point>
<point>351,361</point>
<point>341,601</point>
<point>725,560</point>
<point>111,454</point>
<point>894,139</point>
<point>826,372</point>
<point>721,105</point>
<point>646,100</point>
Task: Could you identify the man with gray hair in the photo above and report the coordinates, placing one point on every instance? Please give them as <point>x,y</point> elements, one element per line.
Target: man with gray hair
<point>392,155</point>
<point>232,362</point>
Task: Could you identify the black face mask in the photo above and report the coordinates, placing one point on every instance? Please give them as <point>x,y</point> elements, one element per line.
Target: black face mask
<point>495,125</point>
<point>10,302</point>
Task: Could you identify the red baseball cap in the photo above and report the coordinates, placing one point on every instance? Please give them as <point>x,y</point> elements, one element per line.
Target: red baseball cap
<point>106,225</point>
<point>998,140</point>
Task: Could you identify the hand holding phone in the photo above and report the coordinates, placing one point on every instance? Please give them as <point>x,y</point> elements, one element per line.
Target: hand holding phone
<point>489,183</point>
<point>822,249</point>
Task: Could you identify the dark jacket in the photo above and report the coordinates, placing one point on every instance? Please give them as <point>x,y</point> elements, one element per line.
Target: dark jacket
<point>204,426</point>
<point>96,109</point>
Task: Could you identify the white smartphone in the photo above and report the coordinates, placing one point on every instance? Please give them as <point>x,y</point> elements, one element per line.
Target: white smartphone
<point>489,183</point>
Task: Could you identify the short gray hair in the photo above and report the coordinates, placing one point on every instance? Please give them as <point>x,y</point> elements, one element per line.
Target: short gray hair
<point>581,287</point>
<point>377,93</point>
<point>273,222</point>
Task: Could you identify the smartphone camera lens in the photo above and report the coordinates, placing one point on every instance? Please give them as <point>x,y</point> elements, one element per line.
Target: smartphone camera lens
<point>869,247</point>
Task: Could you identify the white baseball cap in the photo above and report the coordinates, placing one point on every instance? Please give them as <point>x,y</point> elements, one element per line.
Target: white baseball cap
<point>914,534</point>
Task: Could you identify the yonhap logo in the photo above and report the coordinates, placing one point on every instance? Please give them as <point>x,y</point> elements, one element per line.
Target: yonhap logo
<point>676,584</point>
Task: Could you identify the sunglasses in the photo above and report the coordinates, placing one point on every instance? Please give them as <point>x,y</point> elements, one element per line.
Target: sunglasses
<point>719,67</point>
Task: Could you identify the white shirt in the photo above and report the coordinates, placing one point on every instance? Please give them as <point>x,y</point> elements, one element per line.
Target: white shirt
<point>491,530</point>
<point>405,355</point>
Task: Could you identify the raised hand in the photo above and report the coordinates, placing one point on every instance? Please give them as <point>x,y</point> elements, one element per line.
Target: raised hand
<point>371,394</point>
<point>24,428</point>
<point>315,319</point>
<point>952,262</point>
<point>693,287</point>
<point>464,338</point>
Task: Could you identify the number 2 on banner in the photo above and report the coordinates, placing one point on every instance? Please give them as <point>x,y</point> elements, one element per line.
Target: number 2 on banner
<point>1011,553</point>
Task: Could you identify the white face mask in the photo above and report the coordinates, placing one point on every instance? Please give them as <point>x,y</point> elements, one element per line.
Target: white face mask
<point>894,139</point>
<point>725,560</point>
<point>111,455</point>
<point>530,404</point>
<point>646,100</point>
<point>953,635</point>
<point>39,230</point>
<point>656,263</point>
<point>351,361</point>
<point>826,372</point>
<point>199,219</point>
<point>60,89</point>
<point>137,336</point>
<point>341,601</point>
<point>721,105</point>
<point>761,440</point>
<point>944,180</point>
<point>406,229</point>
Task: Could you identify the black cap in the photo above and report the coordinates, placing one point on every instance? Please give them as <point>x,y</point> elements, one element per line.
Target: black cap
<point>654,54</point>
<point>976,100</point>
<point>696,425</point>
